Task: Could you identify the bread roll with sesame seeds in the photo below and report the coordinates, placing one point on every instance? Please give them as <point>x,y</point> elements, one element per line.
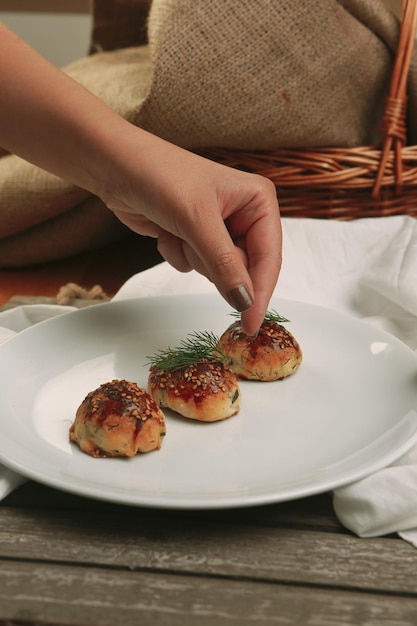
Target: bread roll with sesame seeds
<point>119,419</point>
<point>206,390</point>
<point>272,355</point>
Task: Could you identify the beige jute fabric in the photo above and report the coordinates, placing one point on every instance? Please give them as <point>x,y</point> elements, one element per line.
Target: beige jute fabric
<point>44,218</point>
<point>263,74</point>
<point>236,73</point>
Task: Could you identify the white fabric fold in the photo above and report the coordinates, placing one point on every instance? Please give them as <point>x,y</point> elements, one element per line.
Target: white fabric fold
<point>12,321</point>
<point>367,268</point>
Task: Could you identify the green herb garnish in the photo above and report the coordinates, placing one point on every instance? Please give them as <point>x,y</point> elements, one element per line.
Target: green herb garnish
<point>273,316</point>
<point>270,316</point>
<point>197,347</point>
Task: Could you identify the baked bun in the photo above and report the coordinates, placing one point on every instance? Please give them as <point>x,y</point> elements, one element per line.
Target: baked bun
<point>119,419</point>
<point>273,354</point>
<point>205,390</point>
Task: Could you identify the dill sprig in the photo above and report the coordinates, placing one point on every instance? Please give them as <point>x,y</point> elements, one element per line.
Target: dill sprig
<point>195,348</point>
<point>273,316</point>
<point>270,316</point>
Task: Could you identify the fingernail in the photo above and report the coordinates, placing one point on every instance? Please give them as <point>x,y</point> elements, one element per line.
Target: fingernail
<point>240,298</point>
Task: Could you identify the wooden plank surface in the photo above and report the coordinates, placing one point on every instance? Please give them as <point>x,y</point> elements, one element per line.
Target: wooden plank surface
<point>189,545</point>
<point>94,596</point>
<point>68,560</point>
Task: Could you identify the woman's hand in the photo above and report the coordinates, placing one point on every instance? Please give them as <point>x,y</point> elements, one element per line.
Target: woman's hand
<point>219,221</point>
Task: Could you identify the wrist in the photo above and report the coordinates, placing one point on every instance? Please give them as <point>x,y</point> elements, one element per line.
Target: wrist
<point>128,160</point>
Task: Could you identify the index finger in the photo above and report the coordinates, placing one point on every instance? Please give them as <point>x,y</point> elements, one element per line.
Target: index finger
<point>245,255</point>
<point>264,252</point>
<point>259,227</point>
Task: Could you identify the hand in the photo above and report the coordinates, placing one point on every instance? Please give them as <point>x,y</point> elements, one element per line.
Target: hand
<point>222,222</point>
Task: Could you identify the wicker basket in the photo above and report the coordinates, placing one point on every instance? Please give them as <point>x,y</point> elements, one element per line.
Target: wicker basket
<point>347,183</point>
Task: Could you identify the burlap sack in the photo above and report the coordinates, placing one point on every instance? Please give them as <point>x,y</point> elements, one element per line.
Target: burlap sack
<point>234,73</point>
<point>265,74</point>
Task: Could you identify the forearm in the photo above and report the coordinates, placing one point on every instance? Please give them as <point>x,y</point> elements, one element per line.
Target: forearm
<point>50,120</point>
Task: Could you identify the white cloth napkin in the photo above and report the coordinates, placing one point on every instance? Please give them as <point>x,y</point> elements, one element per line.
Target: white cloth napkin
<point>367,268</point>
<point>13,321</point>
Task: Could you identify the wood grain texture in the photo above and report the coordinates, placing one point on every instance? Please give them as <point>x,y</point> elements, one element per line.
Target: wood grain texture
<point>185,545</point>
<point>92,596</point>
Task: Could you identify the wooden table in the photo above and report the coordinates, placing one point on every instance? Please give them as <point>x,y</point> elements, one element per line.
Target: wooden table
<point>68,560</point>
<point>110,267</point>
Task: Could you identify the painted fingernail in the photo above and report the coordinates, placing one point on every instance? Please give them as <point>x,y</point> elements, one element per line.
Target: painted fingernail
<point>240,298</point>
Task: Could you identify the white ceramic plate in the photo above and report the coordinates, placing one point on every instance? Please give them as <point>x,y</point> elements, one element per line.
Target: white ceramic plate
<point>350,409</point>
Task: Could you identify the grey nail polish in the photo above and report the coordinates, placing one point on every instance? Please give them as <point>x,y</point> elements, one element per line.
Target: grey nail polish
<point>240,298</point>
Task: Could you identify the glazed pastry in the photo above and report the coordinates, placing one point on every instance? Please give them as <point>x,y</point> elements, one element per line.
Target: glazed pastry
<point>206,391</point>
<point>272,355</point>
<point>193,381</point>
<point>119,419</point>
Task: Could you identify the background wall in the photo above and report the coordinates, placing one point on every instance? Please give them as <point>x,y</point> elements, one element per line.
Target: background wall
<point>59,29</point>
